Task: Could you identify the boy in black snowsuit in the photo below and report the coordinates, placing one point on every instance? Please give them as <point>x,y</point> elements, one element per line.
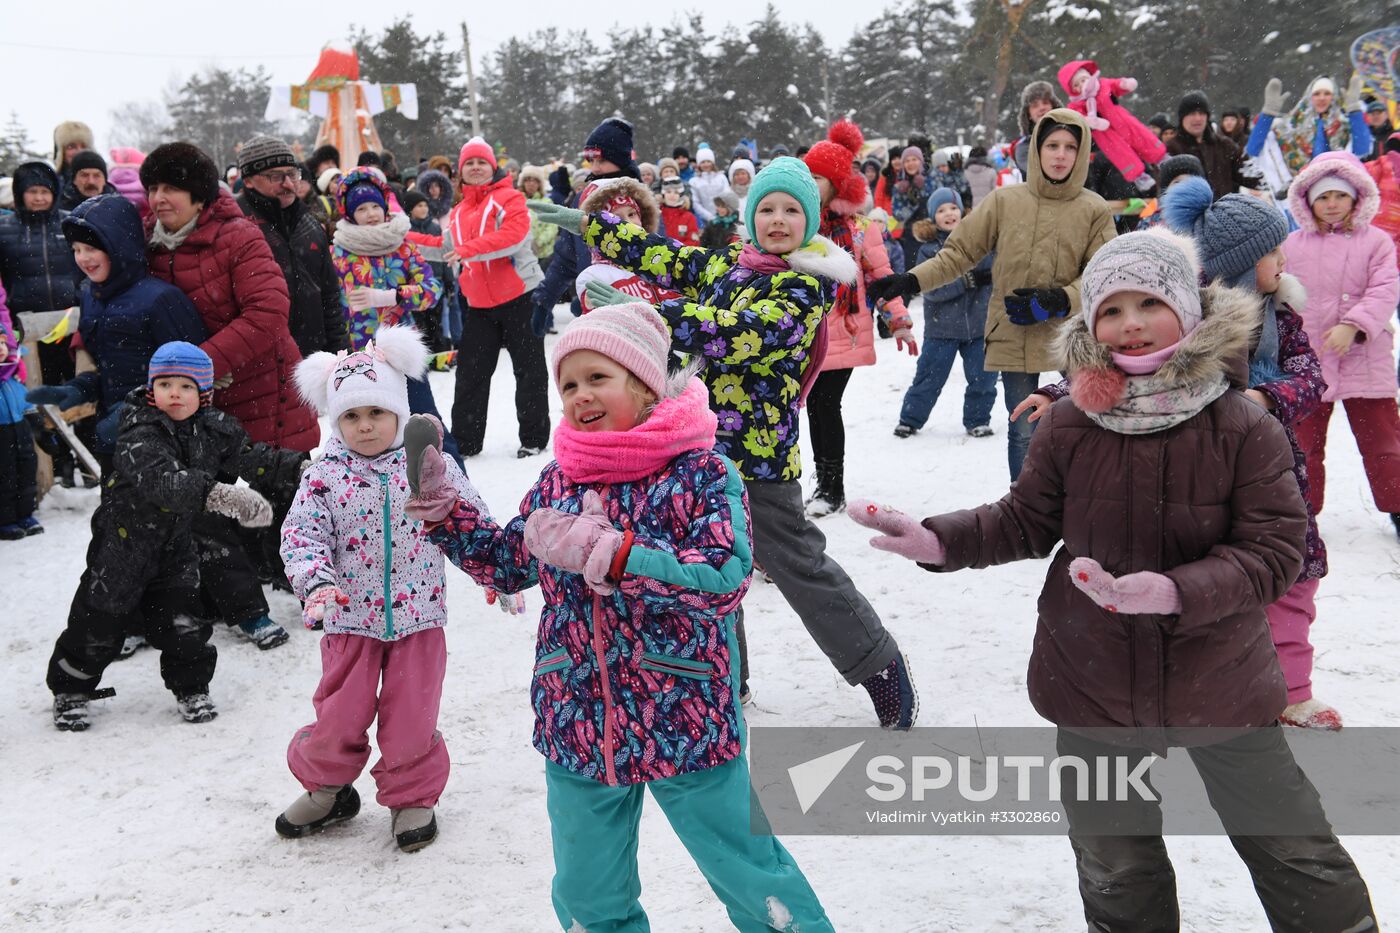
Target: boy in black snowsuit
<point>173,449</point>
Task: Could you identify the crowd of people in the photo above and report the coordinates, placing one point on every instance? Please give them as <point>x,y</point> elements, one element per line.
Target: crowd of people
<point>1158,299</point>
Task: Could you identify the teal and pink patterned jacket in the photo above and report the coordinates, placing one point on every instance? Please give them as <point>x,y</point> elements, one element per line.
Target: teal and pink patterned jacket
<point>637,685</point>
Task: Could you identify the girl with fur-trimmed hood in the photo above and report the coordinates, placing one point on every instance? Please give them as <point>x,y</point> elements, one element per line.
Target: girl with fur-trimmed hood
<point>632,202</point>
<point>1173,501</point>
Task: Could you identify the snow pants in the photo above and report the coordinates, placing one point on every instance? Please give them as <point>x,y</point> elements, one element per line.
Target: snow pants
<point>1128,144</point>
<point>485,331</point>
<point>595,832</point>
<point>413,765</point>
<point>793,552</point>
<point>228,576</point>
<point>1290,619</point>
<point>94,637</point>
<point>18,468</point>
<point>1305,883</point>
<point>1376,424</point>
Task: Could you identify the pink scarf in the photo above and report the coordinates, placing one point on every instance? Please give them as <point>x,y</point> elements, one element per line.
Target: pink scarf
<point>677,425</point>
<point>756,260</point>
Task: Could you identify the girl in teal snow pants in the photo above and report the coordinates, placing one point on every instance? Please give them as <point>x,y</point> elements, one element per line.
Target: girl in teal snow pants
<point>638,536</point>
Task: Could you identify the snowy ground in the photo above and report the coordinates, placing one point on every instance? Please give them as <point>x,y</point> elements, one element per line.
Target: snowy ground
<point>147,822</point>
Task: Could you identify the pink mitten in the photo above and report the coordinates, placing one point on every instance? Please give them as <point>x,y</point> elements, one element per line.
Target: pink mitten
<point>902,535</point>
<point>585,543</point>
<point>1128,84</point>
<point>1132,593</point>
<point>322,605</point>
<point>433,494</point>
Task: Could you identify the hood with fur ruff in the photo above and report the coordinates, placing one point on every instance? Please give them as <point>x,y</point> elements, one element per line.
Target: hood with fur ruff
<point>604,191</point>
<point>1347,167</point>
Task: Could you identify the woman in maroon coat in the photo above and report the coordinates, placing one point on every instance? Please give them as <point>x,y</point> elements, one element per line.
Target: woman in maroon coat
<point>201,242</point>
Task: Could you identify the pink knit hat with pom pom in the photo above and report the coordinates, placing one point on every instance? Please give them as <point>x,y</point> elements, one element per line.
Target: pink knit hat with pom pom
<point>633,335</point>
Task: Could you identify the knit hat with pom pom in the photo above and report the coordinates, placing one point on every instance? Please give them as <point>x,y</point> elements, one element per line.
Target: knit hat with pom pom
<point>833,159</point>
<point>633,335</point>
<point>1232,234</point>
<point>374,376</point>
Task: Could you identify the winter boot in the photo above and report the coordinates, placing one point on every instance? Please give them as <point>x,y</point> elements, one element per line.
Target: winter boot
<point>70,710</point>
<point>414,828</point>
<point>980,430</point>
<point>1395,520</point>
<point>830,494</point>
<point>196,707</point>
<point>1311,714</point>
<point>314,811</point>
<point>905,430</point>
<point>11,532</point>
<point>892,691</point>
<point>524,452</point>
<point>31,526</point>
<point>263,632</point>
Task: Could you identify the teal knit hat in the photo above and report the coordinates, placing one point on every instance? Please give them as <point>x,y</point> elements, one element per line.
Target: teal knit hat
<point>790,176</point>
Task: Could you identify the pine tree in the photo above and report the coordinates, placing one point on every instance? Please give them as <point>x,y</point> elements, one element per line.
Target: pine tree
<point>15,147</point>
<point>219,109</point>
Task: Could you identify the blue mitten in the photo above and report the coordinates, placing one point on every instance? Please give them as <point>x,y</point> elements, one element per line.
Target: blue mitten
<point>1033,305</point>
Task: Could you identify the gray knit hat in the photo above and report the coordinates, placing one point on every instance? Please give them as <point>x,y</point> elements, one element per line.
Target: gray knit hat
<point>1233,233</point>
<point>1156,261</point>
<point>262,153</point>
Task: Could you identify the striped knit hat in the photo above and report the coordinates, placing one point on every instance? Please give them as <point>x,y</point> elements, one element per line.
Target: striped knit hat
<point>632,335</point>
<point>178,358</point>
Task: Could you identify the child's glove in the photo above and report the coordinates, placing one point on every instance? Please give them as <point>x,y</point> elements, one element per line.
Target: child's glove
<point>1128,84</point>
<point>1351,97</point>
<point>904,285</point>
<point>904,340</point>
<point>64,396</point>
<point>600,295</point>
<point>547,212</point>
<point>512,604</point>
<point>1034,305</point>
<point>322,605</point>
<point>1132,593</point>
<point>541,319</point>
<point>902,535</point>
<point>1275,103</point>
<point>586,543</point>
<point>981,276</point>
<point>431,494</point>
<point>239,503</point>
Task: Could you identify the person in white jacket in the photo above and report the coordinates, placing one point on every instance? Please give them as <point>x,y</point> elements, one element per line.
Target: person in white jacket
<point>708,182</point>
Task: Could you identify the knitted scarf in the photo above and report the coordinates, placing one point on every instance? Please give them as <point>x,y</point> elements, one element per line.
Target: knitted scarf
<point>171,241</point>
<point>677,425</point>
<point>1263,362</point>
<point>1149,404</point>
<point>837,228</point>
<point>375,240</point>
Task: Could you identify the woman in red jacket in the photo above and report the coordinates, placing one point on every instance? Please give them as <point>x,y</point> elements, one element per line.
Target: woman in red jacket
<point>489,231</point>
<point>199,241</point>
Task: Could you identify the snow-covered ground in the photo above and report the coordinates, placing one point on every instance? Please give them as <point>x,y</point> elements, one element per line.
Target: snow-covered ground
<point>146,822</point>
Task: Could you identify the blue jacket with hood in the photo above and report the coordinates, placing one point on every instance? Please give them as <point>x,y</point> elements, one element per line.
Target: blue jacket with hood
<point>127,317</point>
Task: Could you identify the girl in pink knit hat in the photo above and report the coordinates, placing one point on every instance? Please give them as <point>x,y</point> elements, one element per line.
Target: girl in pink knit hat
<point>638,536</point>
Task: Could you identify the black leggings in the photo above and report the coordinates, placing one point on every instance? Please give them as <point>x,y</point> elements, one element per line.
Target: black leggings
<point>824,424</point>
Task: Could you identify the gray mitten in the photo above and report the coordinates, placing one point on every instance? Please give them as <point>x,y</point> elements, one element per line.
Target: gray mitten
<point>1275,102</point>
<point>1351,97</point>
<point>239,503</point>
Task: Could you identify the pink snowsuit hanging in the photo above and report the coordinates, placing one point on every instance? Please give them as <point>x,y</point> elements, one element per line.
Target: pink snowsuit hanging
<point>1120,136</point>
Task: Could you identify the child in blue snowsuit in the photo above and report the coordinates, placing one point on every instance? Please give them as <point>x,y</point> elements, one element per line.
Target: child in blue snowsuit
<point>955,315</point>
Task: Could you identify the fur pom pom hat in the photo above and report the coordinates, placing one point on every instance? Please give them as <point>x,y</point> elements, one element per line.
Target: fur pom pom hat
<point>1233,233</point>
<point>633,335</point>
<point>376,375</point>
<point>1158,262</point>
<point>833,159</point>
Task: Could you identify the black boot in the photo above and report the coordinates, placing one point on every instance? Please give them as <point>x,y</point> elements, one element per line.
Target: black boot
<point>830,493</point>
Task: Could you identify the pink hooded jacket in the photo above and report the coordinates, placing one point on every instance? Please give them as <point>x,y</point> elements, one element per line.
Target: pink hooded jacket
<point>1350,275</point>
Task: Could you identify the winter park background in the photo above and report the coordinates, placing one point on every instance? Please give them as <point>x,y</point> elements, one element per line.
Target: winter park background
<point>145,822</point>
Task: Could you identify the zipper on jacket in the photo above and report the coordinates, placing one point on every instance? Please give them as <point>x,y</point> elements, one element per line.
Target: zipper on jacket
<point>600,653</point>
<point>44,246</point>
<point>388,559</point>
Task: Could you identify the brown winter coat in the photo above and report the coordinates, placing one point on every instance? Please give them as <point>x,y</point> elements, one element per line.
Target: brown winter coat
<point>1225,163</point>
<point>226,268</point>
<point>1212,503</point>
<point>1044,236</point>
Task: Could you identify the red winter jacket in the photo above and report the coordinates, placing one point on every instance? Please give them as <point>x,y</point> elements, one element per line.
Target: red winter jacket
<point>226,268</point>
<point>491,235</point>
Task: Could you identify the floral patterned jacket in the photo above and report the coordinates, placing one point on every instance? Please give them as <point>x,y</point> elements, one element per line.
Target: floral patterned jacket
<point>754,329</point>
<point>638,685</point>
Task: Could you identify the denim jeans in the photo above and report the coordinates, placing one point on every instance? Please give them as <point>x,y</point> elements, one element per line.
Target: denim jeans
<point>931,374</point>
<point>1016,386</point>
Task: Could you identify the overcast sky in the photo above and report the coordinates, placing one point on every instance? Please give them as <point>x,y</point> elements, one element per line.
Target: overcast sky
<point>89,57</point>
